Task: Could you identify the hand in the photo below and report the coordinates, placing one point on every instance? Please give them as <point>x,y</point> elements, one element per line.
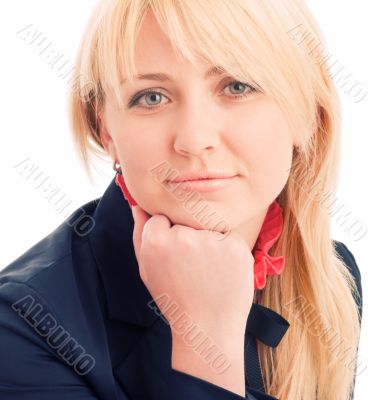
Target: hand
<point>208,278</point>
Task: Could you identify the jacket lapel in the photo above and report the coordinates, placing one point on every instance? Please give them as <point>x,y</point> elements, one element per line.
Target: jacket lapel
<point>111,240</point>
<point>128,305</point>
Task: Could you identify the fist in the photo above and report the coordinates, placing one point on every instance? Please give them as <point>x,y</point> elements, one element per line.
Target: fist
<point>208,276</point>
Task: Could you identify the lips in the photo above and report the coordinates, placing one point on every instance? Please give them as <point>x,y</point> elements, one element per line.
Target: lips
<point>202,175</point>
<point>202,185</point>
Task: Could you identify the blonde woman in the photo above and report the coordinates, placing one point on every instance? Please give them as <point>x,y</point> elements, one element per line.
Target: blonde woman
<point>207,269</point>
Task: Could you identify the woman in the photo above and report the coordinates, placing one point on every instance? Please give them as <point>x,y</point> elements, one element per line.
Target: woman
<point>228,286</point>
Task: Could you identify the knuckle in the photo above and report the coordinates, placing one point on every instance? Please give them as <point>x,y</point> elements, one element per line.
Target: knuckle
<point>156,239</point>
<point>239,246</point>
<point>184,238</point>
<point>235,242</point>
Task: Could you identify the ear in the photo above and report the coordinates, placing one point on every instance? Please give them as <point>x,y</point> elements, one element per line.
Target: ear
<point>106,138</point>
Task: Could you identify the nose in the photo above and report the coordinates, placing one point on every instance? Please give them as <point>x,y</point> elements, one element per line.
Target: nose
<point>197,130</point>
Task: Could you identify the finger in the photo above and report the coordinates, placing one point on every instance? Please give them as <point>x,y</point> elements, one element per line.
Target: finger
<point>218,235</point>
<point>158,223</point>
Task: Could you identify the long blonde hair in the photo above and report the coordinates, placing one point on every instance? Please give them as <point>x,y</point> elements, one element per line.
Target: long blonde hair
<point>256,42</point>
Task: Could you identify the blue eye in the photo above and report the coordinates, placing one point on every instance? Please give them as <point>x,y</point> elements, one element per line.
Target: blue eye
<point>156,93</point>
<point>136,99</point>
<point>234,83</point>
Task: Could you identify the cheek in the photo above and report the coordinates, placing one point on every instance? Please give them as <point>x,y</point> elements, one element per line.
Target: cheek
<point>267,151</point>
<point>144,166</point>
<point>137,154</point>
<point>274,154</point>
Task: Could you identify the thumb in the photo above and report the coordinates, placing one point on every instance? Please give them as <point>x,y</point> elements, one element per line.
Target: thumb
<point>140,217</point>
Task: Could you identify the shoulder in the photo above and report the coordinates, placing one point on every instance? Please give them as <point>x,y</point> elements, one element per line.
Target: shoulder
<point>39,271</point>
<point>349,260</point>
<point>43,282</point>
<point>52,252</point>
<point>40,303</point>
<point>33,286</point>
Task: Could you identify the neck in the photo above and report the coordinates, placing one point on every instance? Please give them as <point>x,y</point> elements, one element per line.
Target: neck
<point>250,230</point>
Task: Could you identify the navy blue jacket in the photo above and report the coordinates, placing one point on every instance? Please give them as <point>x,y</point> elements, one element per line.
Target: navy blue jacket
<point>75,321</point>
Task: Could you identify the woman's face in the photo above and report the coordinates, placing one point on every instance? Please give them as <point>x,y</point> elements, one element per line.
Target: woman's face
<point>197,123</point>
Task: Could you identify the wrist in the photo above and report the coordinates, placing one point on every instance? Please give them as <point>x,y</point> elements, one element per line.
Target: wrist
<point>215,329</point>
<point>221,364</point>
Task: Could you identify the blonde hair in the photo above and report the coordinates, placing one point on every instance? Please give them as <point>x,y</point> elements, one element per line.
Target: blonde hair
<point>253,40</point>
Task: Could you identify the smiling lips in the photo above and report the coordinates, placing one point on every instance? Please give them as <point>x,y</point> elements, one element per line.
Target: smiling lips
<point>205,174</point>
<point>202,181</point>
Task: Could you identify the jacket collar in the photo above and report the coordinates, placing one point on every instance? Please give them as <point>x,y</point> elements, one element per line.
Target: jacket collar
<point>127,297</point>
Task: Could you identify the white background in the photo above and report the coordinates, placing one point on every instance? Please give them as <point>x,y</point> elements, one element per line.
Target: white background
<point>34,124</point>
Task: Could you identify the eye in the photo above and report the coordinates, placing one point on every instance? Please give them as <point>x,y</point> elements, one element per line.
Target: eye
<point>237,84</point>
<point>153,97</point>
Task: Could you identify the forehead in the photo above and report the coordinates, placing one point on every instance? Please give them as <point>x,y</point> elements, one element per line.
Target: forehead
<point>152,44</point>
<point>154,51</point>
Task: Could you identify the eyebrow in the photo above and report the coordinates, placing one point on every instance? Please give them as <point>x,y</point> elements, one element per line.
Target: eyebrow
<point>160,76</point>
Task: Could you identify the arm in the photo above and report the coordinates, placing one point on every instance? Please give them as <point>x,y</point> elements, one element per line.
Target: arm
<point>226,371</point>
<point>196,379</point>
<point>28,368</point>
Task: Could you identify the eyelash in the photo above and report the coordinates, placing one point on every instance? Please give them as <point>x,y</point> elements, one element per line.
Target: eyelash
<point>133,102</point>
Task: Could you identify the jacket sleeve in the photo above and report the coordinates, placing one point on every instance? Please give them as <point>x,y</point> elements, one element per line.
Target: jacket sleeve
<point>28,368</point>
<point>191,387</point>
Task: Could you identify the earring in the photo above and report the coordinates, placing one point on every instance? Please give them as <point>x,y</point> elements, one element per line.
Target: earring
<point>117,169</point>
<point>119,180</point>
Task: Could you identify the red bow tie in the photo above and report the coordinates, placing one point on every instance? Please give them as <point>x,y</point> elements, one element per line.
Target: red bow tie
<point>269,233</point>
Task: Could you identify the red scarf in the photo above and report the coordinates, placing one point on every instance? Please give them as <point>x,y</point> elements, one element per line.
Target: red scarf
<point>271,229</point>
